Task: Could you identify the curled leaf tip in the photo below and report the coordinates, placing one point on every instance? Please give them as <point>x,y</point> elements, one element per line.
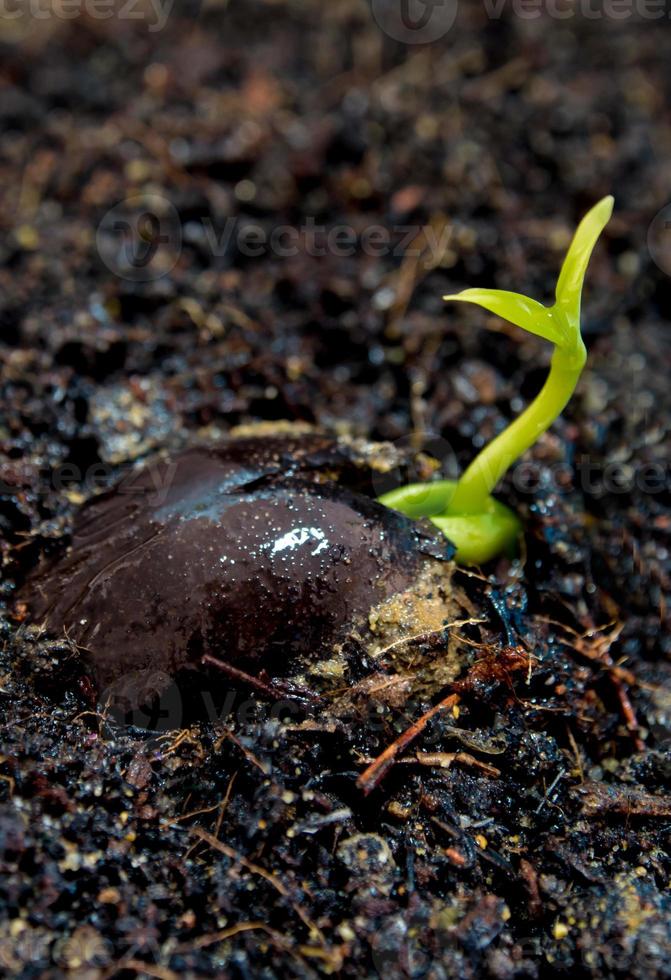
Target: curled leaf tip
<point>607,204</point>
<point>572,275</point>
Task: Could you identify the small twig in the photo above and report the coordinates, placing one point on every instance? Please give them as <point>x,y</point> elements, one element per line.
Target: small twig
<point>529,876</point>
<point>240,675</point>
<point>11,782</point>
<point>280,941</point>
<point>224,934</point>
<point>248,754</point>
<point>427,635</point>
<point>226,800</point>
<point>270,690</point>
<point>183,735</point>
<point>483,852</point>
<point>576,752</point>
<point>546,798</point>
<point>221,805</point>
<point>272,879</point>
<point>443,760</point>
<point>376,771</point>
<point>630,719</point>
<point>240,859</point>
<point>142,967</point>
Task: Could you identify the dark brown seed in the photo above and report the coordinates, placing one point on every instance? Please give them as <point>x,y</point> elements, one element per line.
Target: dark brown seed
<point>243,551</point>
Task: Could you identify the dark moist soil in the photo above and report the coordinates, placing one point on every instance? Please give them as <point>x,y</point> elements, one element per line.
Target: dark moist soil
<point>524,831</point>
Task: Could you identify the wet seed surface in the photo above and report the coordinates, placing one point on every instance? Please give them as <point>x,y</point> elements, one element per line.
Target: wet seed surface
<point>244,551</point>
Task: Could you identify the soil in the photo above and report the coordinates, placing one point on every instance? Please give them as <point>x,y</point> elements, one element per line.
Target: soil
<point>491,798</point>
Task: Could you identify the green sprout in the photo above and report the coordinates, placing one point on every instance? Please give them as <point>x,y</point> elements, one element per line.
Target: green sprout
<point>478,525</point>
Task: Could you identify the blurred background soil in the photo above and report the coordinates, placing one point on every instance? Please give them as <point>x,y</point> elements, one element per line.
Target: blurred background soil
<point>168,182</point>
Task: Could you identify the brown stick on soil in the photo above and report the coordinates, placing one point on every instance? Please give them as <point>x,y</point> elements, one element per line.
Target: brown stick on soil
<point>373,775</point>
<point>239,675</point>
<point>256,683</point>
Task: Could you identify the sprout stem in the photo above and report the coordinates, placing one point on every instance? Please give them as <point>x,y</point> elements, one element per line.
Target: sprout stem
<point>483,474</point>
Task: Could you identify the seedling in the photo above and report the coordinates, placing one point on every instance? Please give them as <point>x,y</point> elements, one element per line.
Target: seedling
<point>464,510</point>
